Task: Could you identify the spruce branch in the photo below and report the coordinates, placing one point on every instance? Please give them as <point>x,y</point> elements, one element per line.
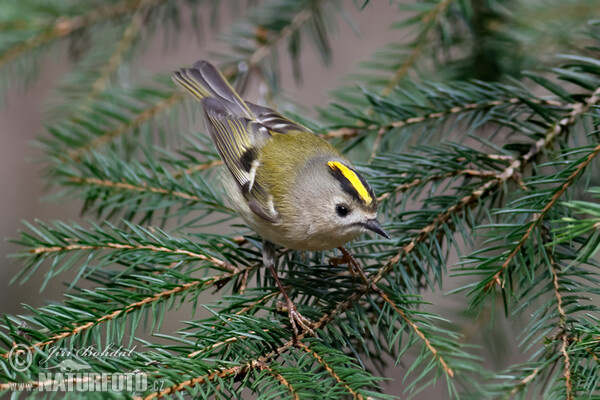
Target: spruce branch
<point>44,251</point>
<point>127,186</point>
<point>330,370</point>
<point>75,153</point>
<point>568,182</point>
<point>161,296</point>
<point>525,381</point>
<point>64,27</point>
<point>281,379</point>
<point>125,43</point>
<point>417,331</point>
<point>428,20</point>
<point>349,132</point>
<point>562,326</point>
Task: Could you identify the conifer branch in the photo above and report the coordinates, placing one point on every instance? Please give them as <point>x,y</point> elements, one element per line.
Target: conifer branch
<point>281,379</point>
<point>135,188</point>
<point>115,60</point>
<point>525,381</point>
<point>118,313</point>
<point>348,132</point>
<point>64,27</point>
<point>330,370</point>
<point>222,373</point>
<point>76,152</point>
<point>421,181</point>
<point>120,246</point>
<point>418,332</point>
<point>199,167</point>
<point>540,216</point>
<point>420,43</point>
<point>562,326</point>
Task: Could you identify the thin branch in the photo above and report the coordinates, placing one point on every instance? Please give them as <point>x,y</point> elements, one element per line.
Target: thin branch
<point>540,216</point>
<point>199,167</point>
<point>220,373</point>
<point>417,331</point>
<point>119,246</point>
<point>129,36</point>
<point>420,44</point>
<point>63,27</point>
<point>330,370</point>
<point>281,379</point>
<point>75,153</point>
<point>420,181</point>
<point>348,132</point>
<point>136,188</point>
<point>562,325</point>
<point>525,381</point>
<point>131,307</point>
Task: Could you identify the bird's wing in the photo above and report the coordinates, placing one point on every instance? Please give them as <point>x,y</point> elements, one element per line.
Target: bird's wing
<point>274,121</point>
<point>238,128</point>
<point>230,133</point>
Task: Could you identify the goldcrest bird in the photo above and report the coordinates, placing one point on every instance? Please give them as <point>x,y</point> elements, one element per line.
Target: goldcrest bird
<point>289,185</point>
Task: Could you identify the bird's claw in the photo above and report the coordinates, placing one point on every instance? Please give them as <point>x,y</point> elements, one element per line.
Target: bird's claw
<point>296,319</point>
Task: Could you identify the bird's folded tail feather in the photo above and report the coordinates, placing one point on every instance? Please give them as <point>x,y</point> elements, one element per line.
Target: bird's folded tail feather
<point>204,80</point>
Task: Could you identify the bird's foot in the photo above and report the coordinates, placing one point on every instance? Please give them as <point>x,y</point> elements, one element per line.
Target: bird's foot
<point>353,265</point>
<point>296,319</point>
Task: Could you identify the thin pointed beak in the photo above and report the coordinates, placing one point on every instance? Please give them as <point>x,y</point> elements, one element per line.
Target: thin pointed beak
<point>373,225</point>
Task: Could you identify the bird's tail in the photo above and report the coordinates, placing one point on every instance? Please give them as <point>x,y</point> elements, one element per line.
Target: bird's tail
<point>204,80</point>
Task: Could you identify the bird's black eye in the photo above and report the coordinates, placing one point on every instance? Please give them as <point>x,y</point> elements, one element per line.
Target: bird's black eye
<point>341,210</point>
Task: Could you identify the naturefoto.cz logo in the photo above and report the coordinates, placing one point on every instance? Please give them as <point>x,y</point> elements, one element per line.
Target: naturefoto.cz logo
<point>75,375</point>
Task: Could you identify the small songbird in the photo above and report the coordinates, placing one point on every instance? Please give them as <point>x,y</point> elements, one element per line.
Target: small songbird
<point>289,185</point>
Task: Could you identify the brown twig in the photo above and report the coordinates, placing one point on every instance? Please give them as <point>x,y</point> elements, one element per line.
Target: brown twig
<point>420,181</point>
<point>76,153</point>
<point>347,132</point>
<point>330,370</point>
<point>131,32</point>
<point>136,188</point>
<point>540,216</point>
<point>525,381</point>
<point>420,44</point>
<point>198,167</point>
<point>562,326</point>
<point>119,246</point>
<point>131,307</point>
<point>281,379</point>
<point>63,27</point>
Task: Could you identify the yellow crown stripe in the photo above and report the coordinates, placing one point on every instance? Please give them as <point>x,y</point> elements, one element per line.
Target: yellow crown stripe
<point>354,180</point>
